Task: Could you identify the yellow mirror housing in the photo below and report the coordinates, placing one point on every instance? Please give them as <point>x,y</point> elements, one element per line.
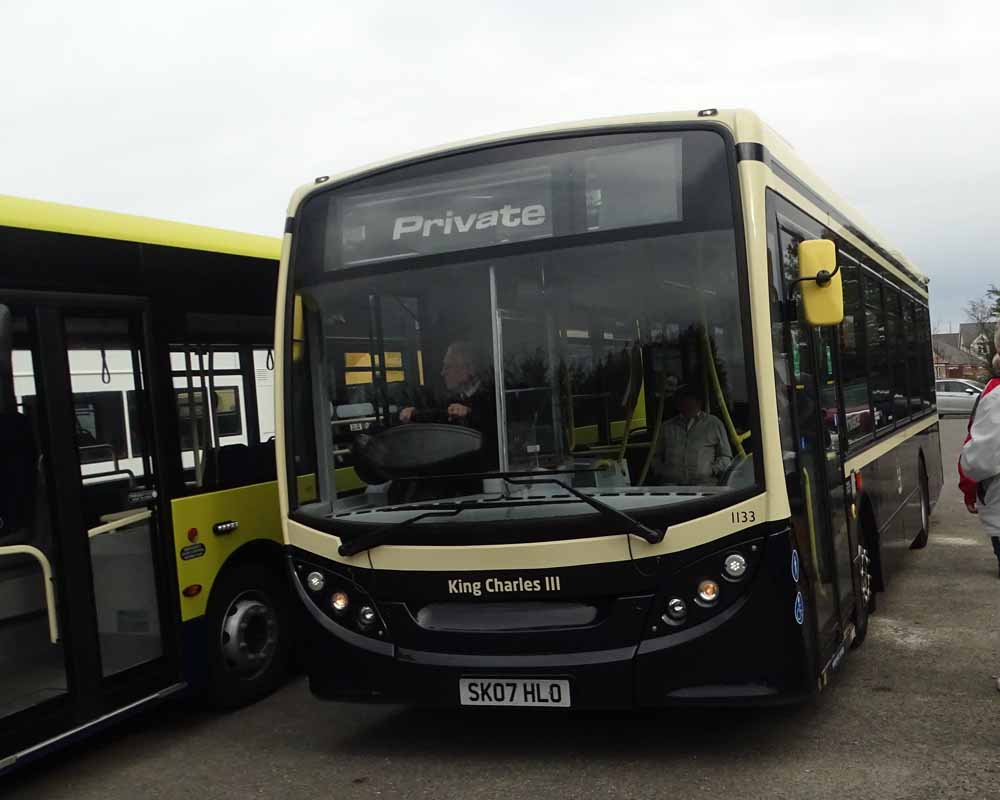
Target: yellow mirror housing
<point>822,300</point>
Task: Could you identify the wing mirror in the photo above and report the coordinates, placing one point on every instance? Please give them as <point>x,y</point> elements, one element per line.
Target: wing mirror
<point>822,288</point>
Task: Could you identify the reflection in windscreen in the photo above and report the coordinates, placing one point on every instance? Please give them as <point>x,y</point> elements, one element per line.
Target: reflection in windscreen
<point>619,363</point>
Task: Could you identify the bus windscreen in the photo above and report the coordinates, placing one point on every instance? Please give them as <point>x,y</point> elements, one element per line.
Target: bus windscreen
<point>574,311</point>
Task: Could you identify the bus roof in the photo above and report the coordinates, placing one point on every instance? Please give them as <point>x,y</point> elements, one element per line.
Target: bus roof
<point>745,125</point>
<point>18,212</point>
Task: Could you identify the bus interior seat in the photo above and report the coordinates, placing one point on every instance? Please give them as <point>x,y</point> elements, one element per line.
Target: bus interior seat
<point>24,516</point>
<point>242,465</point>
<point>105,493</point>
<point>18,474</point>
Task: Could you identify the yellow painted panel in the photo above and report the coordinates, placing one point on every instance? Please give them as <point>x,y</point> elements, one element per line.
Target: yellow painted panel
<point>347,479</point>
<point>307,488</point>
<point>254,507</point>
<point>18,212</point>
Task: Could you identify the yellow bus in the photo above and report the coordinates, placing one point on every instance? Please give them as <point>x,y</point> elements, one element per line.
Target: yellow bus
<point>139,526</point>
<point>646,417</point>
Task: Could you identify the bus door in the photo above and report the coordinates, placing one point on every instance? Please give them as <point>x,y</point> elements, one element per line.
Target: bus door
<point>82,573</point>
<point>817,489</point>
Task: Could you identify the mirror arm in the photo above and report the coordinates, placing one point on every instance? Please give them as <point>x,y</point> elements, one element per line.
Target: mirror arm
<point>822,278</point>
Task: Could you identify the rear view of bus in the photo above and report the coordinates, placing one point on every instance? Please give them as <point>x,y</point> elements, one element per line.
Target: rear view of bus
<point>522,433</point>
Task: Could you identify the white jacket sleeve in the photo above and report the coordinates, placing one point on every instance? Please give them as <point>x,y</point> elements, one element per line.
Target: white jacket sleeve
<point>980,456</point>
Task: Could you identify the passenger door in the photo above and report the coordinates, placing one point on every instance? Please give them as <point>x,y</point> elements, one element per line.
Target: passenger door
<point>83,598</point>
<point>818,491</point>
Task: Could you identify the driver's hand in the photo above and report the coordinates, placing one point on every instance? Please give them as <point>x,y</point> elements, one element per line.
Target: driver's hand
<point>406,415</point>
<point>458,411</point>
<point>971,506</point>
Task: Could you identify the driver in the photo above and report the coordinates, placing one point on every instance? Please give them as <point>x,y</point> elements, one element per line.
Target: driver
<point>469,397</point>
<point>461,373</point>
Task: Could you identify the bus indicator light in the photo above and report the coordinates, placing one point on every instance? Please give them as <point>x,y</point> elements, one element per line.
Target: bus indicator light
<point>339,602</point>
<point>192,534</point>
<point>708,592</point>
<point>192,591</point>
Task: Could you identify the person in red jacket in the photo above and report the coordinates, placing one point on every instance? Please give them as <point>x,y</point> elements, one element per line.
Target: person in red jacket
<point>979,461</point>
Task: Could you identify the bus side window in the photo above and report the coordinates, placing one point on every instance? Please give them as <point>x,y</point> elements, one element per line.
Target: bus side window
<point>879,376</point>
<point>221,448</point>
<point>857,424</point>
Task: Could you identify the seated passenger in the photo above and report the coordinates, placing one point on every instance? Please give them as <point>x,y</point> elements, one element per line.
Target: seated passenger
<point>694,446</point>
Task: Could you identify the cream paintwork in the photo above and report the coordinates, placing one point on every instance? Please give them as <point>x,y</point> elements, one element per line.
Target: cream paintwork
<point>530,555</point>
<point>876,451</point>
<point>794,197</point>
<point>279,384</point>
<point>753,177</point>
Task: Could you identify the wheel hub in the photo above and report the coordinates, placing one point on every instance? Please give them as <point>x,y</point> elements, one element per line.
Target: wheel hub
<point>249,636</point>
<point>865,575</point>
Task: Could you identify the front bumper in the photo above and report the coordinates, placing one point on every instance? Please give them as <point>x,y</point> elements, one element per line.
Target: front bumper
<point>752,652</point>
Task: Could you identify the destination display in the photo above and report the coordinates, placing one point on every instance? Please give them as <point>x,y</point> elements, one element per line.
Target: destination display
<point>447,216</point>
<point>604,188</point>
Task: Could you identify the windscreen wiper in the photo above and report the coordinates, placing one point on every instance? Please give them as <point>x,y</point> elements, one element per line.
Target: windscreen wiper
<point>366,541</point>
<point>638,529</point>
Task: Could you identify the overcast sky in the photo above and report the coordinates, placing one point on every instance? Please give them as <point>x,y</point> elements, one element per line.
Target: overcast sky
<point>213,112</point>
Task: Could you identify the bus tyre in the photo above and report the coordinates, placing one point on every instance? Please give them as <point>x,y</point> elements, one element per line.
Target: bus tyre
<point>925,511</point>
<point>249,636</point>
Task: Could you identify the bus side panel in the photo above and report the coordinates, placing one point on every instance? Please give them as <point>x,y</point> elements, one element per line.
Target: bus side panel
<point>931,444</point>
<point>200,559</point>
<point>892,485</point>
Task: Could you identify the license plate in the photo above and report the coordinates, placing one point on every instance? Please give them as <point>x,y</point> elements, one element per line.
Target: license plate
<point>513,692</point>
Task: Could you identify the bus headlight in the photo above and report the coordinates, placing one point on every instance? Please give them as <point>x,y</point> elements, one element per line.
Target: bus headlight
<point>366,617</point>
<point>735,566</point>
<point>315,581</point>
<point>676,610</point>
<point>340,599</point>
<point>697,591</point>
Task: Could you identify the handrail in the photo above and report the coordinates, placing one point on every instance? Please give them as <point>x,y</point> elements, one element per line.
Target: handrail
<point>139,516</point>
<point>50,594</point>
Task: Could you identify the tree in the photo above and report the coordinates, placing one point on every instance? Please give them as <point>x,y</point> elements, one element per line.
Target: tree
<point>993,297</point>
<point>984,313</point>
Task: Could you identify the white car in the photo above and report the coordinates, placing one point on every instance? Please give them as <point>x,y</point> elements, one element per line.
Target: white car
<point>957,395</point>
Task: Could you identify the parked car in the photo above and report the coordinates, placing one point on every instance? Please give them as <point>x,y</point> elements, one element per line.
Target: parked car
<point>957,395</point>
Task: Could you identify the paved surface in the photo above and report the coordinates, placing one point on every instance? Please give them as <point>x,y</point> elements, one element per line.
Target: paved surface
<point>913,714</point>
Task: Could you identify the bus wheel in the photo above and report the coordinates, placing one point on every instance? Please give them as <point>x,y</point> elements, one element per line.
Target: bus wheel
<point>249,636</point>
<point>865,603</point>
<point>925,511</point>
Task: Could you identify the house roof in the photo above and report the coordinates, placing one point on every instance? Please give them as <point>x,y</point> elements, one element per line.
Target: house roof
<point>947,353</point>
<point>970,331</point>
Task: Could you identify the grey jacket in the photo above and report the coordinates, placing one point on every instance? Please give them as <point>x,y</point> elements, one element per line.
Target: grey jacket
<point>980,459</point>
<point>692,451</point>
